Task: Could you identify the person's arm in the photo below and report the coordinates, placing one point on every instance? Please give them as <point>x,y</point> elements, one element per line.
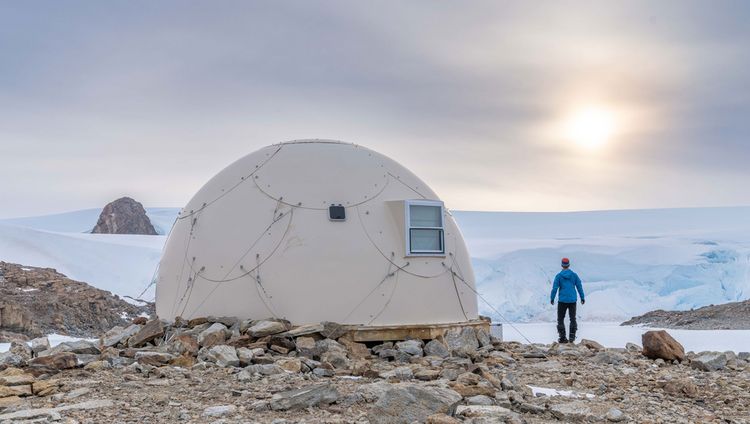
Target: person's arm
<point>579,287</point>
<point>555,286</point>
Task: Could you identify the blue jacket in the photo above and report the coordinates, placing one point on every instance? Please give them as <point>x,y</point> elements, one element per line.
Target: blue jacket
<point>567,282</point>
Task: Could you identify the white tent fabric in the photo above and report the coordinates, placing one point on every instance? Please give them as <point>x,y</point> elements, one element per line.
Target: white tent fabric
<point>257,241</point>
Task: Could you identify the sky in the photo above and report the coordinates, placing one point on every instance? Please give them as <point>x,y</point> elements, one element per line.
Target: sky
<point>497,105</point>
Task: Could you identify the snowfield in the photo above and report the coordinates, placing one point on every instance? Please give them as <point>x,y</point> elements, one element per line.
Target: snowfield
<point>121,264</point>
<point>631,262</point>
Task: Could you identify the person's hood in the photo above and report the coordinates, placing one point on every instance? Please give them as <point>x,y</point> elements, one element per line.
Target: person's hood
<point>567,274</point>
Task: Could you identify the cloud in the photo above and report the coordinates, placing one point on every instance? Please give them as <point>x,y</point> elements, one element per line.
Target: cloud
<point>465,94</point>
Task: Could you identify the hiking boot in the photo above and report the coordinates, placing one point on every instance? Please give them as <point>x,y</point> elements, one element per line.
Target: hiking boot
<point>562,340</point>
<point>572,338</point>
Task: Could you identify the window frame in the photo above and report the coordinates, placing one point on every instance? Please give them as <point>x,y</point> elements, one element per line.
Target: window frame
<point>408,227</point>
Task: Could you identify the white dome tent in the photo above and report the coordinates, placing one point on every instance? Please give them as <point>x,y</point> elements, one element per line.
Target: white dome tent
<point>313,231</point>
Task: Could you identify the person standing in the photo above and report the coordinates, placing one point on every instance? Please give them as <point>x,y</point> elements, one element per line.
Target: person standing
<point>567,283</point>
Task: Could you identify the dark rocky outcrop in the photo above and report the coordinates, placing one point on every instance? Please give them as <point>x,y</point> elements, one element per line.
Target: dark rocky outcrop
<point>124,216</point>
<point>728,316</point>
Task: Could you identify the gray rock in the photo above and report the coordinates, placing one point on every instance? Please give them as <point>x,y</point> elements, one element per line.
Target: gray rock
<point>40,344</point>
<point>373,391</point>
<point>266,328</point>
<point>214,335</point>
<point>323,372</point>
<point>10,359</point>
<point>153,330</point>
<point>530,408</point>
<point>462,341</point>
<point>571,412</point>
<point>219,410</point>
<point>487,413</point>
<point>412,347</point>
<point>480,400</point>
<point>436,348</point>
<point>223,356</point>
<point>483,337</point>
<point>77,347</point>
<point>507,384</point>
<point>306,397</point>
<point>119,335</point>
<point>400,373</point>
<point>245,356</point>
<point>615,415</point>
<point>406,403</point>
<point>609,357</point>
<point>710,361</point>
<point>632,347</point>
<point>265,369</point>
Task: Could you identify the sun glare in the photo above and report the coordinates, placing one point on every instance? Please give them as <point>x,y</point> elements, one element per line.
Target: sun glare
<point>590,128</point>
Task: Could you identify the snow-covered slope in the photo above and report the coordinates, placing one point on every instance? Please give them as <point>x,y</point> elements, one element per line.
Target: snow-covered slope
<point>631,262</point>
<point>122,264</point>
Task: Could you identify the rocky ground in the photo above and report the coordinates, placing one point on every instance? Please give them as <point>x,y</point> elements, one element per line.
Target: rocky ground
<point>728,316</point>
<point>220,370</point>
<point>36,301</point>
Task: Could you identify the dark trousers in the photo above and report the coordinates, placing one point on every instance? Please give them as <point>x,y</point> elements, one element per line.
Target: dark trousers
<point>562,308</point>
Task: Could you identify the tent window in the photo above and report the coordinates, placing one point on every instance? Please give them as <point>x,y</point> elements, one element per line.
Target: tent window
<point>424,227</point>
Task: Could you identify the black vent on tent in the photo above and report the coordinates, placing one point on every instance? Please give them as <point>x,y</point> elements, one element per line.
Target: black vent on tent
<point>336,213</point>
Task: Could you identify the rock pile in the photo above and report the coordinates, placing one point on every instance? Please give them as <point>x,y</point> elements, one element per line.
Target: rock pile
<point>224,370</point>
<point>124,216</point>
<point>36,301</point>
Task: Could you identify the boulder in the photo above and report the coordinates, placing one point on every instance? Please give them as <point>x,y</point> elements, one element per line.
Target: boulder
<point>412,347</point>
<point>53,363</point>
<point>152,330</point>
<point>710,361</point>
<point>155,359</point>
<point>40,344</point>
<point>10,359</point>
<point>306,397</point>
<point>119,335</point>
<point>219,411</point>
<point>305,346</point>
<point>461,341</point>
<point>245,356</point>
<point>264,369</point>
<point>483,337</point>
<point>332,330</point>
<point>266,328</point>
<point>214,335</point>
<point>591,344</point>
<point>81,347</point>
<point>356,350</point>
<point>659,344</point>
<point>487,413</point>
<point>683,386</point>
<point>184,344</point>
<point>615,415</point>
<point>436,348</point>
<point>406,403</point>
<point>223,356</point>
<point>575,411</point>
<point>609,357</point>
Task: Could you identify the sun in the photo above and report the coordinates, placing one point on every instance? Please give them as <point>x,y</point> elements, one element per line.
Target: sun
<point>590,128</point>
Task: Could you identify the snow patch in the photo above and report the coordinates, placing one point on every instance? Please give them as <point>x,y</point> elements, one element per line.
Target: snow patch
<point>545,391</point>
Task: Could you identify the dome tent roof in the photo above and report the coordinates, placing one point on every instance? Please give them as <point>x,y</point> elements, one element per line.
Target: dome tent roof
<point>257,241</point>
